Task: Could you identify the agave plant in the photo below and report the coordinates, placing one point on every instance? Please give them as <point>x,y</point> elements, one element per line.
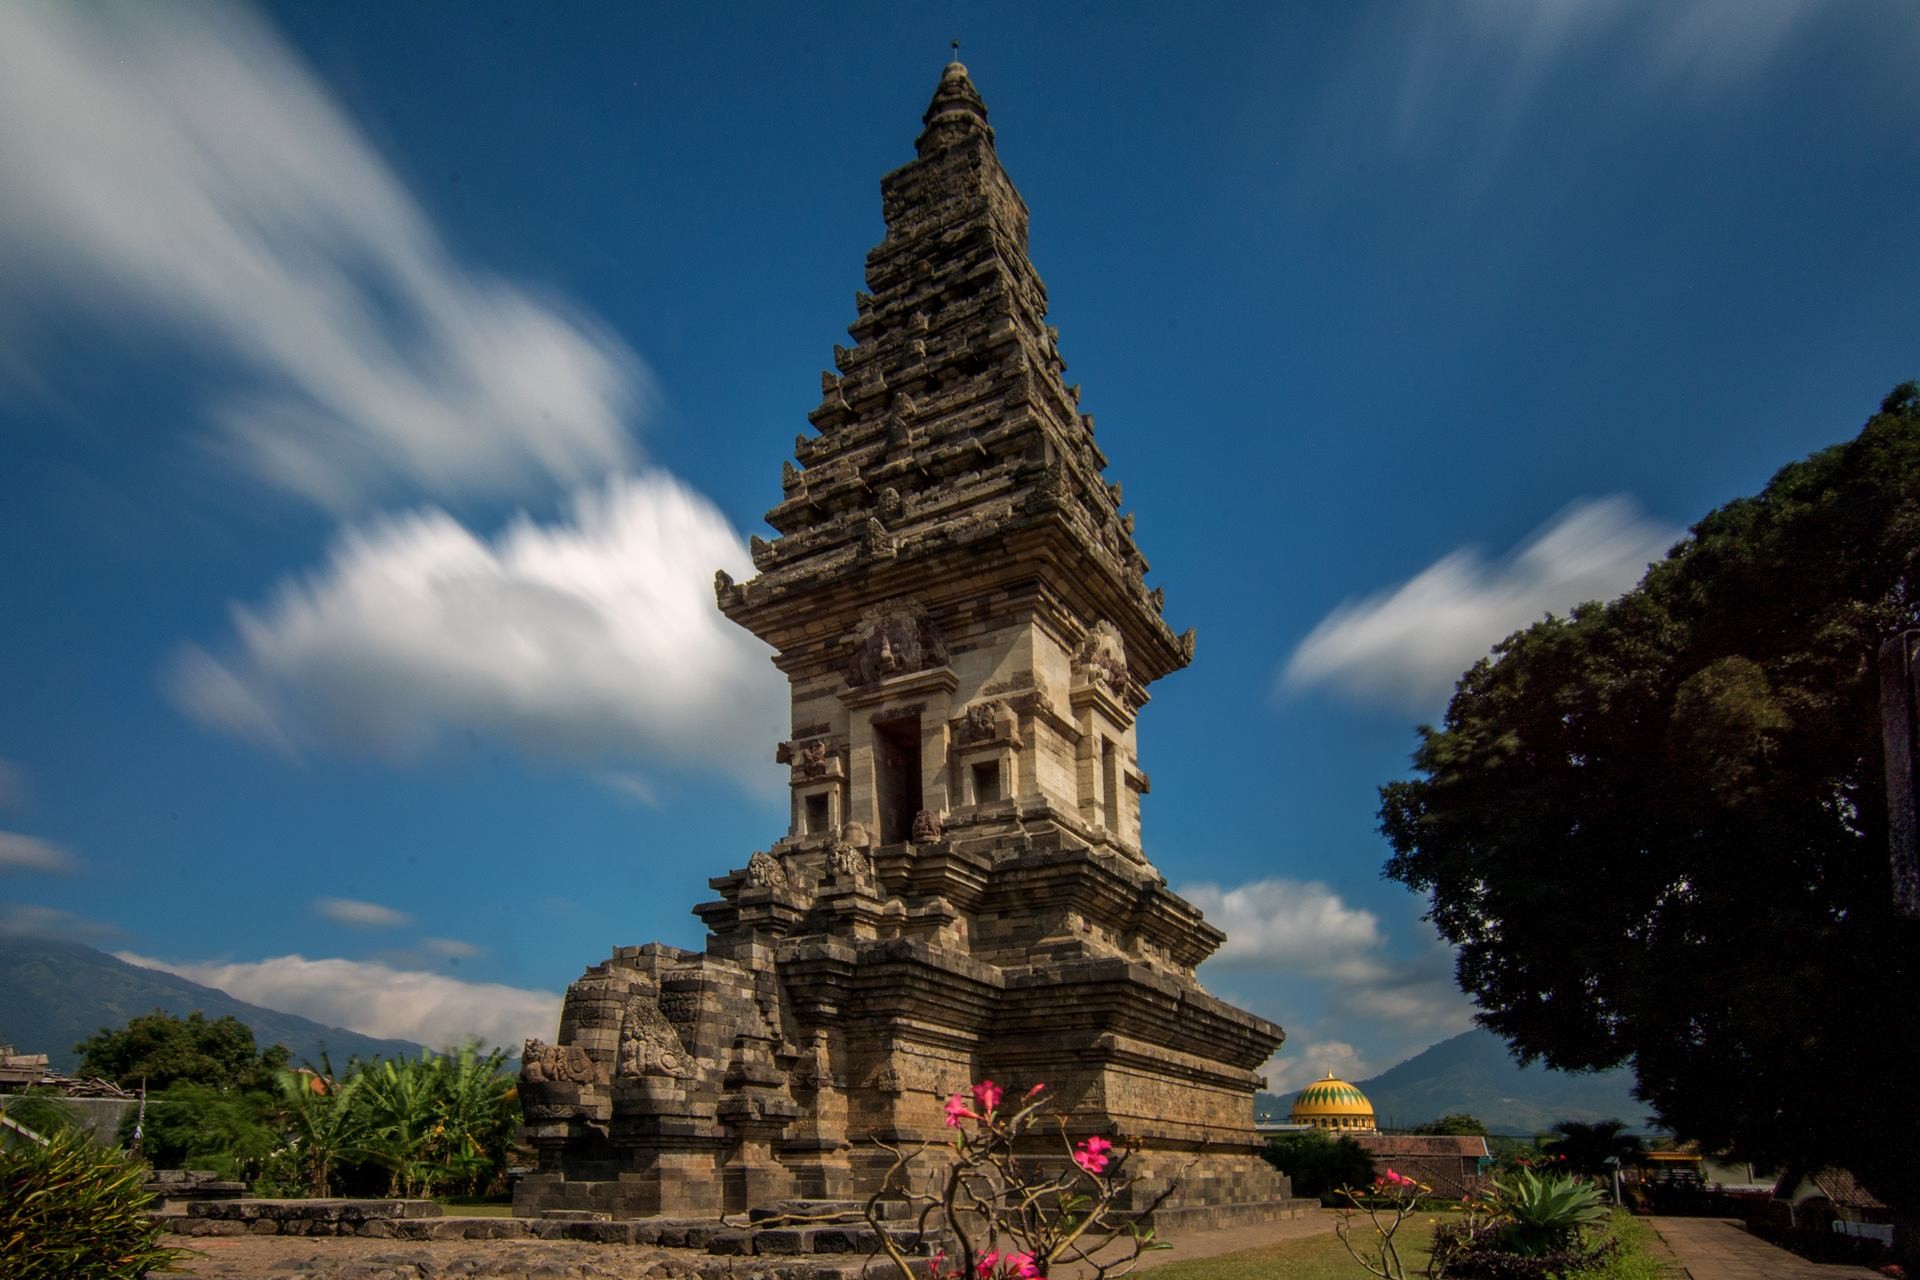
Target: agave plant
<point>71,1210</point>
<point>1547,1213</point>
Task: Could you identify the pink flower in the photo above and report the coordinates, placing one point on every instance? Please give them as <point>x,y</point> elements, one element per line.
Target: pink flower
<point>1091,1155</point>
<point>1398,1180</point>
<point>1036,1091</point>
<point>987,1259</point>
<point>987,1094</point>
<point>1023,1265</point>
<point>958,1110</point>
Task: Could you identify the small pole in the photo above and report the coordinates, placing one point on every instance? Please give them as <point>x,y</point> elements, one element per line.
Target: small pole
<point>956,51</point>
<point>140,1120</point>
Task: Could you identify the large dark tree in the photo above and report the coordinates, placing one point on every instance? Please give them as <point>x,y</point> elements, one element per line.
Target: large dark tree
<point>1657,829</point>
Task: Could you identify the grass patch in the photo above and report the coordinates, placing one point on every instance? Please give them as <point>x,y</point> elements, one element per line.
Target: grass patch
<point>1316,1257</point>
<point>1323,1257</point>
<point>477,1208</point>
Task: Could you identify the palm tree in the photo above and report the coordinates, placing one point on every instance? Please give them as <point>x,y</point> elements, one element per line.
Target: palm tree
<point>1593,1149</point>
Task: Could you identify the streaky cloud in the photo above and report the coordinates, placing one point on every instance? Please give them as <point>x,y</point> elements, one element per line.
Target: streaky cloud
<point>1407,646</point>
<point>178,166</point>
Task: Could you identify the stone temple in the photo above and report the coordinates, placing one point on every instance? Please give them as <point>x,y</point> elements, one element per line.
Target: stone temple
<point>962,891</point>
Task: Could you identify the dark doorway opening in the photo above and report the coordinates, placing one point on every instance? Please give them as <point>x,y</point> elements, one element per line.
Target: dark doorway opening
<point>896,776</point>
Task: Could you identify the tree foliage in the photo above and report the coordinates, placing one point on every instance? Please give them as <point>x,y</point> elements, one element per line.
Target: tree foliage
<point>1319,1164</point>
<point>159,1049</point>
<point>1454,1123</point>
<point>1657,828</point>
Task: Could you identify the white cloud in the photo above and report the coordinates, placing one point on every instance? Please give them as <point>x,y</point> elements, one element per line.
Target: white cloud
<point>379,1000</point>
<point>1296,925</point>
<point>1295,1067</point>
<point>360,915</point>
<point>31,853</point>
<point>13,784</point>
<point>1294,944</point>
<point>596,636</point>
<point>451,948</point>
<point>179,164</point>
<point>1409,645</point>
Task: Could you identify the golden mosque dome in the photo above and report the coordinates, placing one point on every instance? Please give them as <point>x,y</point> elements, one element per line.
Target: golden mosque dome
<point>1333,1104</point>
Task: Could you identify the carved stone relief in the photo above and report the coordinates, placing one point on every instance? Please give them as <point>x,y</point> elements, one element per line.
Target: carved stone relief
<point>764,869</point>
<point>1103,658</point>
<point>649,1046</point>
<point>895,640</point>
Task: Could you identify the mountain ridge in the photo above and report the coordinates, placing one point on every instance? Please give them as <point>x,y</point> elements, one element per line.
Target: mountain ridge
<point>1475,1072</point>
<point>55,993</point>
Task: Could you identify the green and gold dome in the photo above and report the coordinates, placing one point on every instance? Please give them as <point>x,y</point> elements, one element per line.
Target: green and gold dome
<point>1333,1104</point>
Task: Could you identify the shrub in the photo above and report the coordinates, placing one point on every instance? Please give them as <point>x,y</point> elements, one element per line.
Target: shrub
<point>71,1210</point>
<point>1546,1214</point>
<point>1320,1165</point>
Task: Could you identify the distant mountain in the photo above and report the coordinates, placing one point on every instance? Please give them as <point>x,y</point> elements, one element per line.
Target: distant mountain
<point>1474,1072</point>
<point>54,994</point>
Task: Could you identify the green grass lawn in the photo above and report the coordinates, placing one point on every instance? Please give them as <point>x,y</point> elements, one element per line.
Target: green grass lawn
<point>1323,1257</point>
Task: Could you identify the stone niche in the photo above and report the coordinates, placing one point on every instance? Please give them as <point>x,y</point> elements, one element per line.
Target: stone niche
<point>963,890</point>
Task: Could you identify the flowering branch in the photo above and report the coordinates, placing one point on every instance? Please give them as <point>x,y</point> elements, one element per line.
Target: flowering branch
<point>1006,1216</point>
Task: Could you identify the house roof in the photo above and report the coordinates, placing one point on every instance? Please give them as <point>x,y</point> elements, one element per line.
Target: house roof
<point>1417,1144</point>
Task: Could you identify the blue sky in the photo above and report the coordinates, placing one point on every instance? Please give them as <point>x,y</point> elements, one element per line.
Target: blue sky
<point>380,387</point>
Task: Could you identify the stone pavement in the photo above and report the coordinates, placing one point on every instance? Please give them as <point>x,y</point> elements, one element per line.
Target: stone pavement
<point>1722,1249</point>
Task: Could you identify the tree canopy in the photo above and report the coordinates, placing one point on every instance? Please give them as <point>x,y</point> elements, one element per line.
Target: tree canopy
<point>1454,1123</point>
<point>162,1049</point>
<point>1657,828</point>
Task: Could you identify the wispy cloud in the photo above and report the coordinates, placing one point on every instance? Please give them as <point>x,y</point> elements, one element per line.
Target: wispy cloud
<point>31,853</point>
<point>629,785</point>
<point>28,920</point>
<point>593,637</point>
<point>178,164</point>
<point>1408,645</point>
<point>379,1000</point>
<point>1489,61</point>
<point>451,948</point>
<point>360,915</point>
<point>13,784</point>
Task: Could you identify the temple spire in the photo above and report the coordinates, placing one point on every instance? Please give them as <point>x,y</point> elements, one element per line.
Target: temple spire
<point>957,110</point>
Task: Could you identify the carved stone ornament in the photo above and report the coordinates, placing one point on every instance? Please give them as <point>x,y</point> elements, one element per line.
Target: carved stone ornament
<point>542,1063</point>
<point>845,860</point>
<point>809,759</point>
<point>890,506</point>
<point>926,827</point>
<point>722,584</point>
<point>649,1046</point>
<point>1103,658</point>
<point>895,640</point>
<point>855,835</point>
<point>886,1080</point>
<point>764,869</point>
<point>981,723</point>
